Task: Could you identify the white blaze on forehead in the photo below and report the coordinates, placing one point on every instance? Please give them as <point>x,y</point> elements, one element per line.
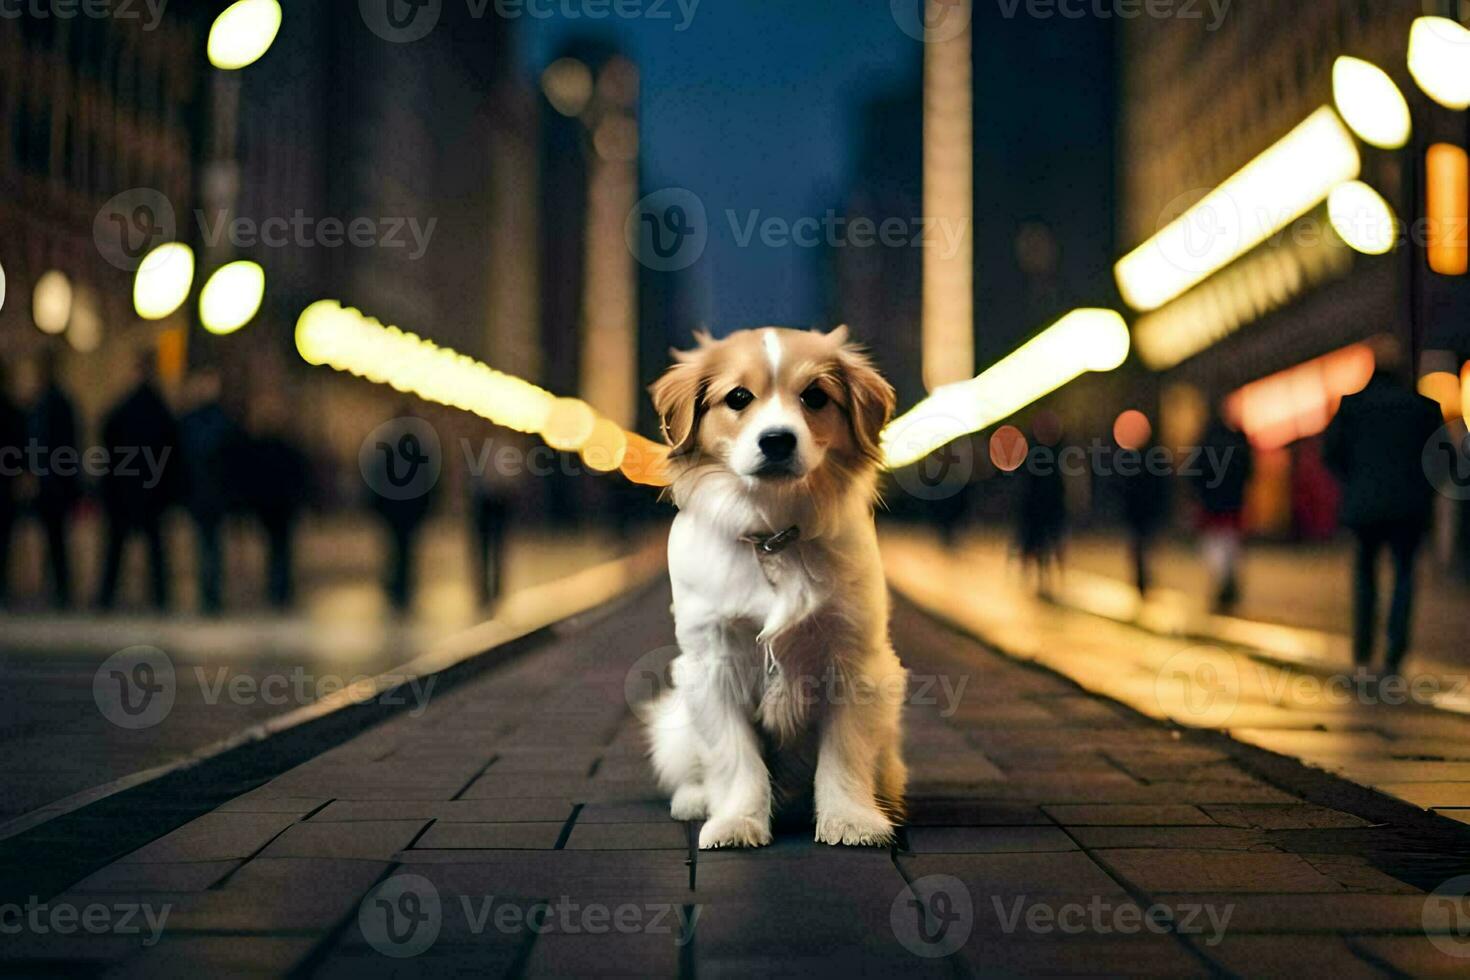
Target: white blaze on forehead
<point>772,344</point>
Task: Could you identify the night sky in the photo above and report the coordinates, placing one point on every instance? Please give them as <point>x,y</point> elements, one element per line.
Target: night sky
<point>752,107</point>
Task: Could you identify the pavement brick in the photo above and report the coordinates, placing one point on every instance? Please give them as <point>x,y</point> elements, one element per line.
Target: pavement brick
<point>526,810</point>
<point>282,895</point>
<point>367,840</point>
<point>139,878</point>
<point>986,840</point>
<point>1066,873</point>
<point>216,837</point>
<point>629,836</point>
<point>1189,838</point>
<point>1280,956</point>
<point>491,836</point>
<point>1155,870</point>
<point>1128,815</point>
<point>1291,816</point>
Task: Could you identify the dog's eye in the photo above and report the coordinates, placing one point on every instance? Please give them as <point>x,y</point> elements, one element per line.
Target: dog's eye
<point>815,398</point>
<point>739,398</point>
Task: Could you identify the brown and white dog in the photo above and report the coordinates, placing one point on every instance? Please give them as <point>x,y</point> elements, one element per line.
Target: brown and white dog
<point>786,687</point>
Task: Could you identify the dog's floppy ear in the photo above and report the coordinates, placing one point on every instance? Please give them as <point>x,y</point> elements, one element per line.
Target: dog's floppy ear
<point>678,397</point>
<point>870,397</point>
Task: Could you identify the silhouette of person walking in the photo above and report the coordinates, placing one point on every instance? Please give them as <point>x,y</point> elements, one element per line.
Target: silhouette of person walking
<point>1041,525</point>
<point>401,501</point>
<point>1374,446</point>
<point>141,437</point>
<point>278,486</point>
<point>53,426</point>
<point>209,444</point>
<point>1221,488</point>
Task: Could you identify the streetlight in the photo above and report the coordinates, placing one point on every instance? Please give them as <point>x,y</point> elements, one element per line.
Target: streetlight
<point>1362,218</point>
<point>51,302</point>
<point>231,297</point>
<point>243,33</point>
<point>163,281</point>
<point>1439,60</point>
<point>1371,104</point>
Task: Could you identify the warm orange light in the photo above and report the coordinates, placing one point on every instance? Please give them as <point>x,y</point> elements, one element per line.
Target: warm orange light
<point>1300,402</point>
<point>1132,429</point>
<point>1447,207</point>
<point>1465,390</point>
<point>1008,448</point>
<point>1443,387</point>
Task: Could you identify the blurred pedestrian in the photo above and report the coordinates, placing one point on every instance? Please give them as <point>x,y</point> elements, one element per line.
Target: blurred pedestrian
<point>12,465</point>
<point>209,447</point>
<point>492,504</point>
<point>53,427</point>
<point>1220,478</point>
<point>1374,445</point>
<point>1145,506</point>
<point>141,438</point>
<point>400,501</point>
<point>1041,526</point>
<point>277,478</point>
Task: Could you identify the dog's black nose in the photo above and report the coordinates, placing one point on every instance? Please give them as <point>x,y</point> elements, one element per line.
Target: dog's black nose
<point>777,445</point>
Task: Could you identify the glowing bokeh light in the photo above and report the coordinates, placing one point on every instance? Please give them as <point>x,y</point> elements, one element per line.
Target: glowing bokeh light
<point>327,334</point>
<point>1008,448</point>
<point>1444,387</point>
<point>1279,186</point>
<point>163,280</point>
<point>1447,209</point>
<point>2,287</point>
<point>1465,390</point>
<point>243,33</point>
<point>1299,402</point>
<point>84,329</point>
<point>1132,429</point>
<point>1439,60</point>
<point>1371,104</point>
<point>51,302</point>
<point>1362,218</point>
<point>567,83</point>
<point>1082,341</point>
<point>231,297</point>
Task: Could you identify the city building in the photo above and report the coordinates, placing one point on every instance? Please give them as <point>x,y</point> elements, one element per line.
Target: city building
<point>92,108</point>
<point>1244,297</point>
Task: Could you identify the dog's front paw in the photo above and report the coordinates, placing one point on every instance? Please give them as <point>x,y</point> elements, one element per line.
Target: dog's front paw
<point>861,827</point>
<point>689,803</point>
<point>734,832</point>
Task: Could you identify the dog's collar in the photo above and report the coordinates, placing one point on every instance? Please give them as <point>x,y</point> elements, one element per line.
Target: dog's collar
<point>773,544</point>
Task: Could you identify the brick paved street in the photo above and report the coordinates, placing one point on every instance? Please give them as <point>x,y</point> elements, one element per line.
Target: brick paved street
<point>513,829</point>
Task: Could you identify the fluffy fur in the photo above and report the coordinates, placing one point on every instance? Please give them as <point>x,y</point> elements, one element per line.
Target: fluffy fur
<point>786,688</point>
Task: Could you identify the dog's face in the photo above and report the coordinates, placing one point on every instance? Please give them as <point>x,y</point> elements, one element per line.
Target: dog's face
<point>774,405</point>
